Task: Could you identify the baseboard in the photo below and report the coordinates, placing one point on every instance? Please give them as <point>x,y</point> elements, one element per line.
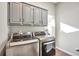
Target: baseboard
<point>66,51</point>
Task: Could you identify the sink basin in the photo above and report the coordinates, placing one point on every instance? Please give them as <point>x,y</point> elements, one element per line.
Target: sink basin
<point>21,37</point>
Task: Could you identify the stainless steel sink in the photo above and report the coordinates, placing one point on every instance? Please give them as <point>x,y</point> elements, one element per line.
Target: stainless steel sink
<point>15,37</point>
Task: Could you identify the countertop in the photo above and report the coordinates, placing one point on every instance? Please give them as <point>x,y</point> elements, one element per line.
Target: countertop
<point>23,42</point>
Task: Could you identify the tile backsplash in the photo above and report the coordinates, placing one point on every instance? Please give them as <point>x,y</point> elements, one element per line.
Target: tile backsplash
<point>13,29</point>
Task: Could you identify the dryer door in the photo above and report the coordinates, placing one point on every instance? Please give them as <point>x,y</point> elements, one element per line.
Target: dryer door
<point>48,48</point>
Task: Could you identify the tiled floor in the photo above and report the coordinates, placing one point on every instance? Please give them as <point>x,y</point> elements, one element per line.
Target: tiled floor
<point>61,53</point>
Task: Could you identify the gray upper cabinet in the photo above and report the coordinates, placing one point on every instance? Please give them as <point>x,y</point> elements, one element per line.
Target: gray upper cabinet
<point>37,16</point>
<point>15,13</point>
<point>27,14</point>
<point>44,17</point>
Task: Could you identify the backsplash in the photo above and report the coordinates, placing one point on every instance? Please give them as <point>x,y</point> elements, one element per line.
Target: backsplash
<point>13,29</point>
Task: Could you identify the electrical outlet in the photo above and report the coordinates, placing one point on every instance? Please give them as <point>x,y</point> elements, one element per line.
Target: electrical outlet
<point>77,49</point>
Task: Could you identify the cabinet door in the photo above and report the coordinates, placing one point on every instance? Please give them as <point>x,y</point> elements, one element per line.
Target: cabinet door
<point>31,49</point>
<point>37,16</point>
<point>44,17</point>
<point>15,12</point>
<point>27,14</point>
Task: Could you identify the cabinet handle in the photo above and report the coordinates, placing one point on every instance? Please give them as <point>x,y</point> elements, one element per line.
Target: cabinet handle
<point>20,19</point>
<point>9,20</point>
<point>23,20</point>
<point>40,21</point>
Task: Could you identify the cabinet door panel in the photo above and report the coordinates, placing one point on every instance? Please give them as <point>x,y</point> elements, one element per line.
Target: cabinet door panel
<point>44,17</point>
<point>31,49</point>
<point>27,14</point>
<point>37,16</point>
<point>15,16</point>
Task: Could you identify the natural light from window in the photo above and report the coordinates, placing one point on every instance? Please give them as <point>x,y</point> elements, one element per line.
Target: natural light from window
<point>67,28</point>
<point>51,24</point>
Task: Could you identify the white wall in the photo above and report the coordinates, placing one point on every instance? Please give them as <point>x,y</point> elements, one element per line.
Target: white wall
<point>68,13</point>
<point>3,24</point>
<point>51,12</point>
